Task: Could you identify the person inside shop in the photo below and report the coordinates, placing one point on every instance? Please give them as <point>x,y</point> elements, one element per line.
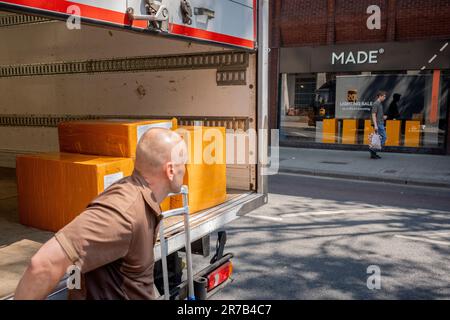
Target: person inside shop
<point>111,242</point>
<point>393,113</point>
<point>378,117</point>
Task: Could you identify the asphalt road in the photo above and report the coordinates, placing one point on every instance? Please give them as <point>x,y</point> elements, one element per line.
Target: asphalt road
<point>317,238</point>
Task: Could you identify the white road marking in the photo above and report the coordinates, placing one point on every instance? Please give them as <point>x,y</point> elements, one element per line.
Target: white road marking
<point>444,46</point>
<point>355,210</point>
<point>445,243</point>
<point>317,213</point>
<point>264,217</point>
<point>438,234</point>
<point>432,58</point>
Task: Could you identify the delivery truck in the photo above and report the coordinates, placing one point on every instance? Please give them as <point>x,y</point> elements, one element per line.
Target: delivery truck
<point>200,62</point>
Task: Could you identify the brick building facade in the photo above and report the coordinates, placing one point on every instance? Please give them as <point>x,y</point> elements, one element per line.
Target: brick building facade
<point>321,23</point>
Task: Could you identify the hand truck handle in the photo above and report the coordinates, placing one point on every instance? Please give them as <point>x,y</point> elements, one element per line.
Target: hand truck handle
<point>164,248</point>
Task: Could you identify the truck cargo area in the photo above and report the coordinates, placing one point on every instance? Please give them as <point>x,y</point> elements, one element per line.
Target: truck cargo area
<point>17,242</point>
<point>100,73</point>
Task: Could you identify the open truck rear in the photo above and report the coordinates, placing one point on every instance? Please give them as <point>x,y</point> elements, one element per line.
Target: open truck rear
<point>202,62</point>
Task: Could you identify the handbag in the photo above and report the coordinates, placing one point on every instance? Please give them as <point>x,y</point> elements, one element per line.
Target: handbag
<point>374,142</point>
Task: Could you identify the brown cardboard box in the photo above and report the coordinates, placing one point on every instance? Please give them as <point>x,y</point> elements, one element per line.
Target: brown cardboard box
<point>53,188</point>
<point>205,177</point>
<point>165,205</point>
<point>115,138</point>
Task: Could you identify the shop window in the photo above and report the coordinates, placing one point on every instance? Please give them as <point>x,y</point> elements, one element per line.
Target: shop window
<point>338,110</point>
<point>304,92</point>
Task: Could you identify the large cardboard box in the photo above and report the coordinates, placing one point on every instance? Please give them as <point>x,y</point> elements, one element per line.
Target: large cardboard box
<point>53,188</point>
<point>206,169</point>
<point>165,205</point>
<point>115,138</point>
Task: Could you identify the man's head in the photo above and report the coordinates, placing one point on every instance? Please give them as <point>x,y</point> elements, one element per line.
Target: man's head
<point>396,97</point>
<point>381,95</point>
<point>161,155</point>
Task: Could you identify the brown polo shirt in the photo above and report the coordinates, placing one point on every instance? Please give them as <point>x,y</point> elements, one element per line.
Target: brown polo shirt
<point>112,242</point>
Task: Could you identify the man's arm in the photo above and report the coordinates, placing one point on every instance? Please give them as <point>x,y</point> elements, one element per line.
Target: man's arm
<point>375,123</point>
<point>46,269</point>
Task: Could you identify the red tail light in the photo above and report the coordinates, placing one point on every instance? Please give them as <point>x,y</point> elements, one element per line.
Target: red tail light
<point>219,275</point>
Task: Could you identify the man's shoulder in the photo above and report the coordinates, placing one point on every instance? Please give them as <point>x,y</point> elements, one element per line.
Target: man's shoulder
<point>122,195</point>
<point>376,105</point>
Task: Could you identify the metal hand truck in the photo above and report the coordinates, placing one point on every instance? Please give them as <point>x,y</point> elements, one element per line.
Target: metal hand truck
<point>164,249</point>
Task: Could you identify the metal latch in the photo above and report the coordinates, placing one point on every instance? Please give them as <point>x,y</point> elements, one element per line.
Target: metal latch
<point>157,14</point>
<point>186,11</point>
<point>203,15</point>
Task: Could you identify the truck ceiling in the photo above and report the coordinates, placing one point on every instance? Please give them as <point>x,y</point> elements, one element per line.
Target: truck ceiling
<point>227,22</point>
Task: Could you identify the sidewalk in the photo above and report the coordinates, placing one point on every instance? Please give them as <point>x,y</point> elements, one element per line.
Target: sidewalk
<point>414,169</point>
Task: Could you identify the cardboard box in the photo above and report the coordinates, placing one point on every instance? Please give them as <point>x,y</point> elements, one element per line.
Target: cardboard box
<point>115,138</point>
<point>165,205</point>
<point>53,188</point>
<point>206,169</point>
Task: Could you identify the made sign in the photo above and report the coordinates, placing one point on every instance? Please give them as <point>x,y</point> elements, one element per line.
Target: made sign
<point>358,57</point>
<point>417,55</point>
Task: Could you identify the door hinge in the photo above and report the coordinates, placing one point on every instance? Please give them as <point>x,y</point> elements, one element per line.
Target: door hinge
<point>156,13</point>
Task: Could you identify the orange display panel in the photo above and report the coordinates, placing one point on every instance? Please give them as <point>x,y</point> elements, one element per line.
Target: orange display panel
<point>329,131</point>
<point>434,107</point>
<point>393,132</point>
<point>206,169</point>
<point>53,188</point>
<point>412,133</point>
<point>115,138</point>
<point>349,131</point>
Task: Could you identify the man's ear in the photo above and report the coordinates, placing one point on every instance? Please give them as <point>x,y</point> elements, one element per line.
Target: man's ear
<point>170,170</point>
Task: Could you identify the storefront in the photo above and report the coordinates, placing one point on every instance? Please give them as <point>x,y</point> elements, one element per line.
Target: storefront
<point>326,94</point>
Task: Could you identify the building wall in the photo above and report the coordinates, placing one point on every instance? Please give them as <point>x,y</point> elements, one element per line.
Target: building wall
<point>321,22</point>
<point>296,23</point>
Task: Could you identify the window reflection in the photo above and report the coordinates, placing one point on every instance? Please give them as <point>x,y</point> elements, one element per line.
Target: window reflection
<point>334,108</point>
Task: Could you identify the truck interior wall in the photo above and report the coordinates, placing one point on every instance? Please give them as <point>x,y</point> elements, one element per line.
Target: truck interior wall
<point>193,93</point>
<point>52,41</point>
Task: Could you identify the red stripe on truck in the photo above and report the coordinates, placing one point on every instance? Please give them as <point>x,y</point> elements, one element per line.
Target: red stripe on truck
<point>89,12</point>
<point>209,35</point>
<point>119,18</point>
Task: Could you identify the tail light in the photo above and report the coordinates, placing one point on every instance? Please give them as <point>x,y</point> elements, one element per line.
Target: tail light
<point>220,275</point>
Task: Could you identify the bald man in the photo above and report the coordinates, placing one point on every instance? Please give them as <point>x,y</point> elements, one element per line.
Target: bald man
<point>112,241</point>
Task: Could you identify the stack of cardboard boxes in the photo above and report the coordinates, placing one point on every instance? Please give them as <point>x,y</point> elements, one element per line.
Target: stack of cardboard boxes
<point>53,188</point>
